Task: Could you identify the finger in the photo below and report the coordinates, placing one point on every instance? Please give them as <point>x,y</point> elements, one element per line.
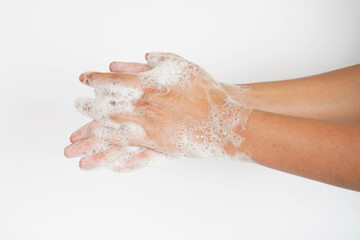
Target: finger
<point>97,79</point>
<point>83,132</point>
<point>129,67</point>
<point>82,147</point>
<point>127,118</point>
<point>144,100</point>
<point>113,157</point>
<point>93,108</point>
<point>95,160</point>
<point>136,161</point>
<point>128,134</point>
<point>155,58</point>
<point>86,106</point>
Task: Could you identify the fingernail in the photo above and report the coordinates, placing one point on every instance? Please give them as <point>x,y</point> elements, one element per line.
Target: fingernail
<point>82,163</point>
<point>81,78</point>
<point>111,65</point>
<point>114,65</point>
<point>66,151</point>
<point>88,162</point>
<point>73,138</point>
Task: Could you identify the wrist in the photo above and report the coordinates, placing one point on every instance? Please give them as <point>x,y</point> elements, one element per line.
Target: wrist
<point>236,92</point>
<point>248,95</point>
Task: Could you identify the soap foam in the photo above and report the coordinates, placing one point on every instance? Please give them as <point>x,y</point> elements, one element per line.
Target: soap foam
<point>206,139</point>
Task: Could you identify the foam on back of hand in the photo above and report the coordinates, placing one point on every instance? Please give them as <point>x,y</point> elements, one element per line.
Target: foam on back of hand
<point>212,134</point>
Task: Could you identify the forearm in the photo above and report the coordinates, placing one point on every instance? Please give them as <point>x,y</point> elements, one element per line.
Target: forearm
<point>331,96</point>
<point>327,152</point>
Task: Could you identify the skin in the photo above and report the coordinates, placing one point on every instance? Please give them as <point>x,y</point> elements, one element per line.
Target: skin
<point>308,126</point>
<point>172,109</point>
<point>332,96</point>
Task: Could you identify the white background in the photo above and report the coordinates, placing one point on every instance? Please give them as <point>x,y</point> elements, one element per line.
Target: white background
<point>46,45</point>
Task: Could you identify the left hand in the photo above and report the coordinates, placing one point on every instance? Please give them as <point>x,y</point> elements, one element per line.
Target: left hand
<point>85,142</point>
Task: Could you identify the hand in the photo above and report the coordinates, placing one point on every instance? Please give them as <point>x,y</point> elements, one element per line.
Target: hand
<point>236,92</point>
<point>182,109</point>
<point>85,141</point>
<point>88,141</point>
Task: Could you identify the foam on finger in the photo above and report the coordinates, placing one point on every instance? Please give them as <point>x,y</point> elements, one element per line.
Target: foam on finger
<point>124,135</point>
